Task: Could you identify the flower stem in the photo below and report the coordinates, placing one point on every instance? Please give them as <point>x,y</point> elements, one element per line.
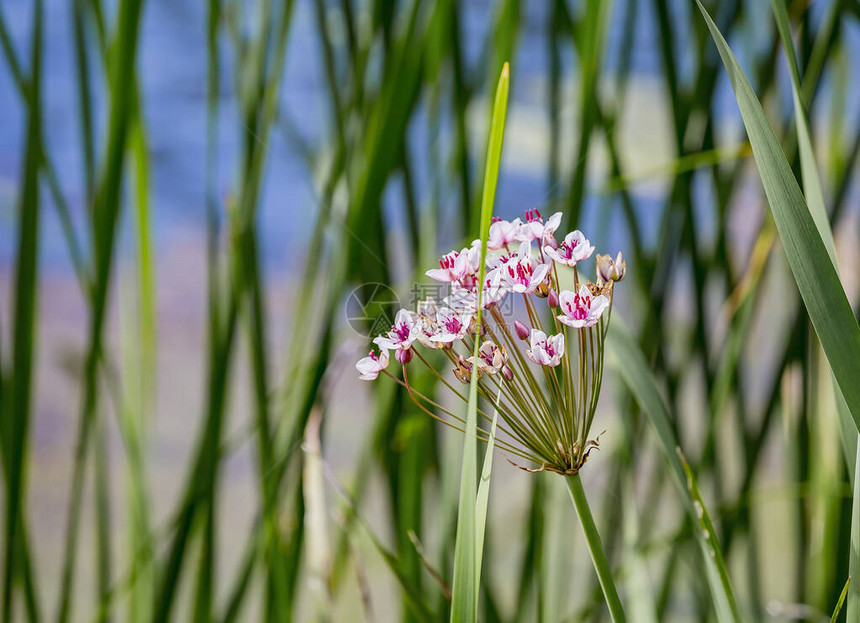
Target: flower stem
<point>598,557</point>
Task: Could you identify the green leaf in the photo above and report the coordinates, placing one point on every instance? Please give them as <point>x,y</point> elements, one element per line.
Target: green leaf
<point>16,417</point>
<point>467,567</point>
<point>807,253</point>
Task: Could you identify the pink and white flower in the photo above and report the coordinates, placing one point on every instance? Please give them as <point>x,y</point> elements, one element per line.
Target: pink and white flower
<point>451,325</point>
<point>457,266</point>
<point>467,298</point>
<point>491,357</point>
<point>522,273</point>
<point>536,229</point>
<point>369,367</point>
<point>403,333</point>
<point>427,325</point>
<point>574,248</point>
<point>581,309</point>
<point>502,233</point>
<point>545,351</point>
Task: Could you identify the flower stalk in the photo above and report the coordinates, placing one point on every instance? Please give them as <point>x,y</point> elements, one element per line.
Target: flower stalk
<point>595,548</point>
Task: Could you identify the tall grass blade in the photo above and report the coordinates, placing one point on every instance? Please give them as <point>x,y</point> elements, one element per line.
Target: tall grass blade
<point>807,254</point>
<point>815,201</point>
<point>23,331</point>
<point>105,216</point>
<point>467,568</point>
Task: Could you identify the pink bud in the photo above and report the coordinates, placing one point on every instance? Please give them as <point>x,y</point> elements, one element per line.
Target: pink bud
<point>552,299</point>
<point>522,330</point>
<point>507,372</point>
<point>403,356</point>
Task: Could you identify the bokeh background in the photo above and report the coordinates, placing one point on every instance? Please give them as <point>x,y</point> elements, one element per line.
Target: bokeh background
<point>194,197</point>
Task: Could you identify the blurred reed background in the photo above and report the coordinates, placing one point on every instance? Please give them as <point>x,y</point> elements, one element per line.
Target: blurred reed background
<point>189,194</point>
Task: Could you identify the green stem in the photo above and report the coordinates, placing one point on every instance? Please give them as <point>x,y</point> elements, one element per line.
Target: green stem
<point>595,547</point>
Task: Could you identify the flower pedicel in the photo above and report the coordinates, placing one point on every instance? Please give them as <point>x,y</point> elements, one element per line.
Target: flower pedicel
<point>545,369</point>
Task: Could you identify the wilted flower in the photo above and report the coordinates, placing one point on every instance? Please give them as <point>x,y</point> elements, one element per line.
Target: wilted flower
<point>545,351</point>
<point>609,269</point>
<point>581,309</point>
<point>463,370</point>
<point>491,357</point>
<point>545,410</point>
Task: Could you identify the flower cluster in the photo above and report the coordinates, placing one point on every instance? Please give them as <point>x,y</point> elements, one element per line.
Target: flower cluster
<point>544,370</point>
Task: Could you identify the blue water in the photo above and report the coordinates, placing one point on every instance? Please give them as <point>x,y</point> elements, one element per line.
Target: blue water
<point>173,70</point>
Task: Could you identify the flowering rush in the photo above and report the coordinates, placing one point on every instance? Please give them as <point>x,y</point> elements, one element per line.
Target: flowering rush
<point>543,368</point>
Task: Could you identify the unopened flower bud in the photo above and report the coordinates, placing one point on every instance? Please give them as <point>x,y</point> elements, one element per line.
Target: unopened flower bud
<point>609,269</point>
<point>404,356</point>
<point>552,298</point>
<point>507,372</point>
<point>522,330</point>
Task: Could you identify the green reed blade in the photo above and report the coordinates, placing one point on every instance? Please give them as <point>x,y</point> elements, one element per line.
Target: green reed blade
<point>105,216</point>
<point>467,568</point>
<point>591,41</point>
<point>805,250</point>
<point>25,310</point>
